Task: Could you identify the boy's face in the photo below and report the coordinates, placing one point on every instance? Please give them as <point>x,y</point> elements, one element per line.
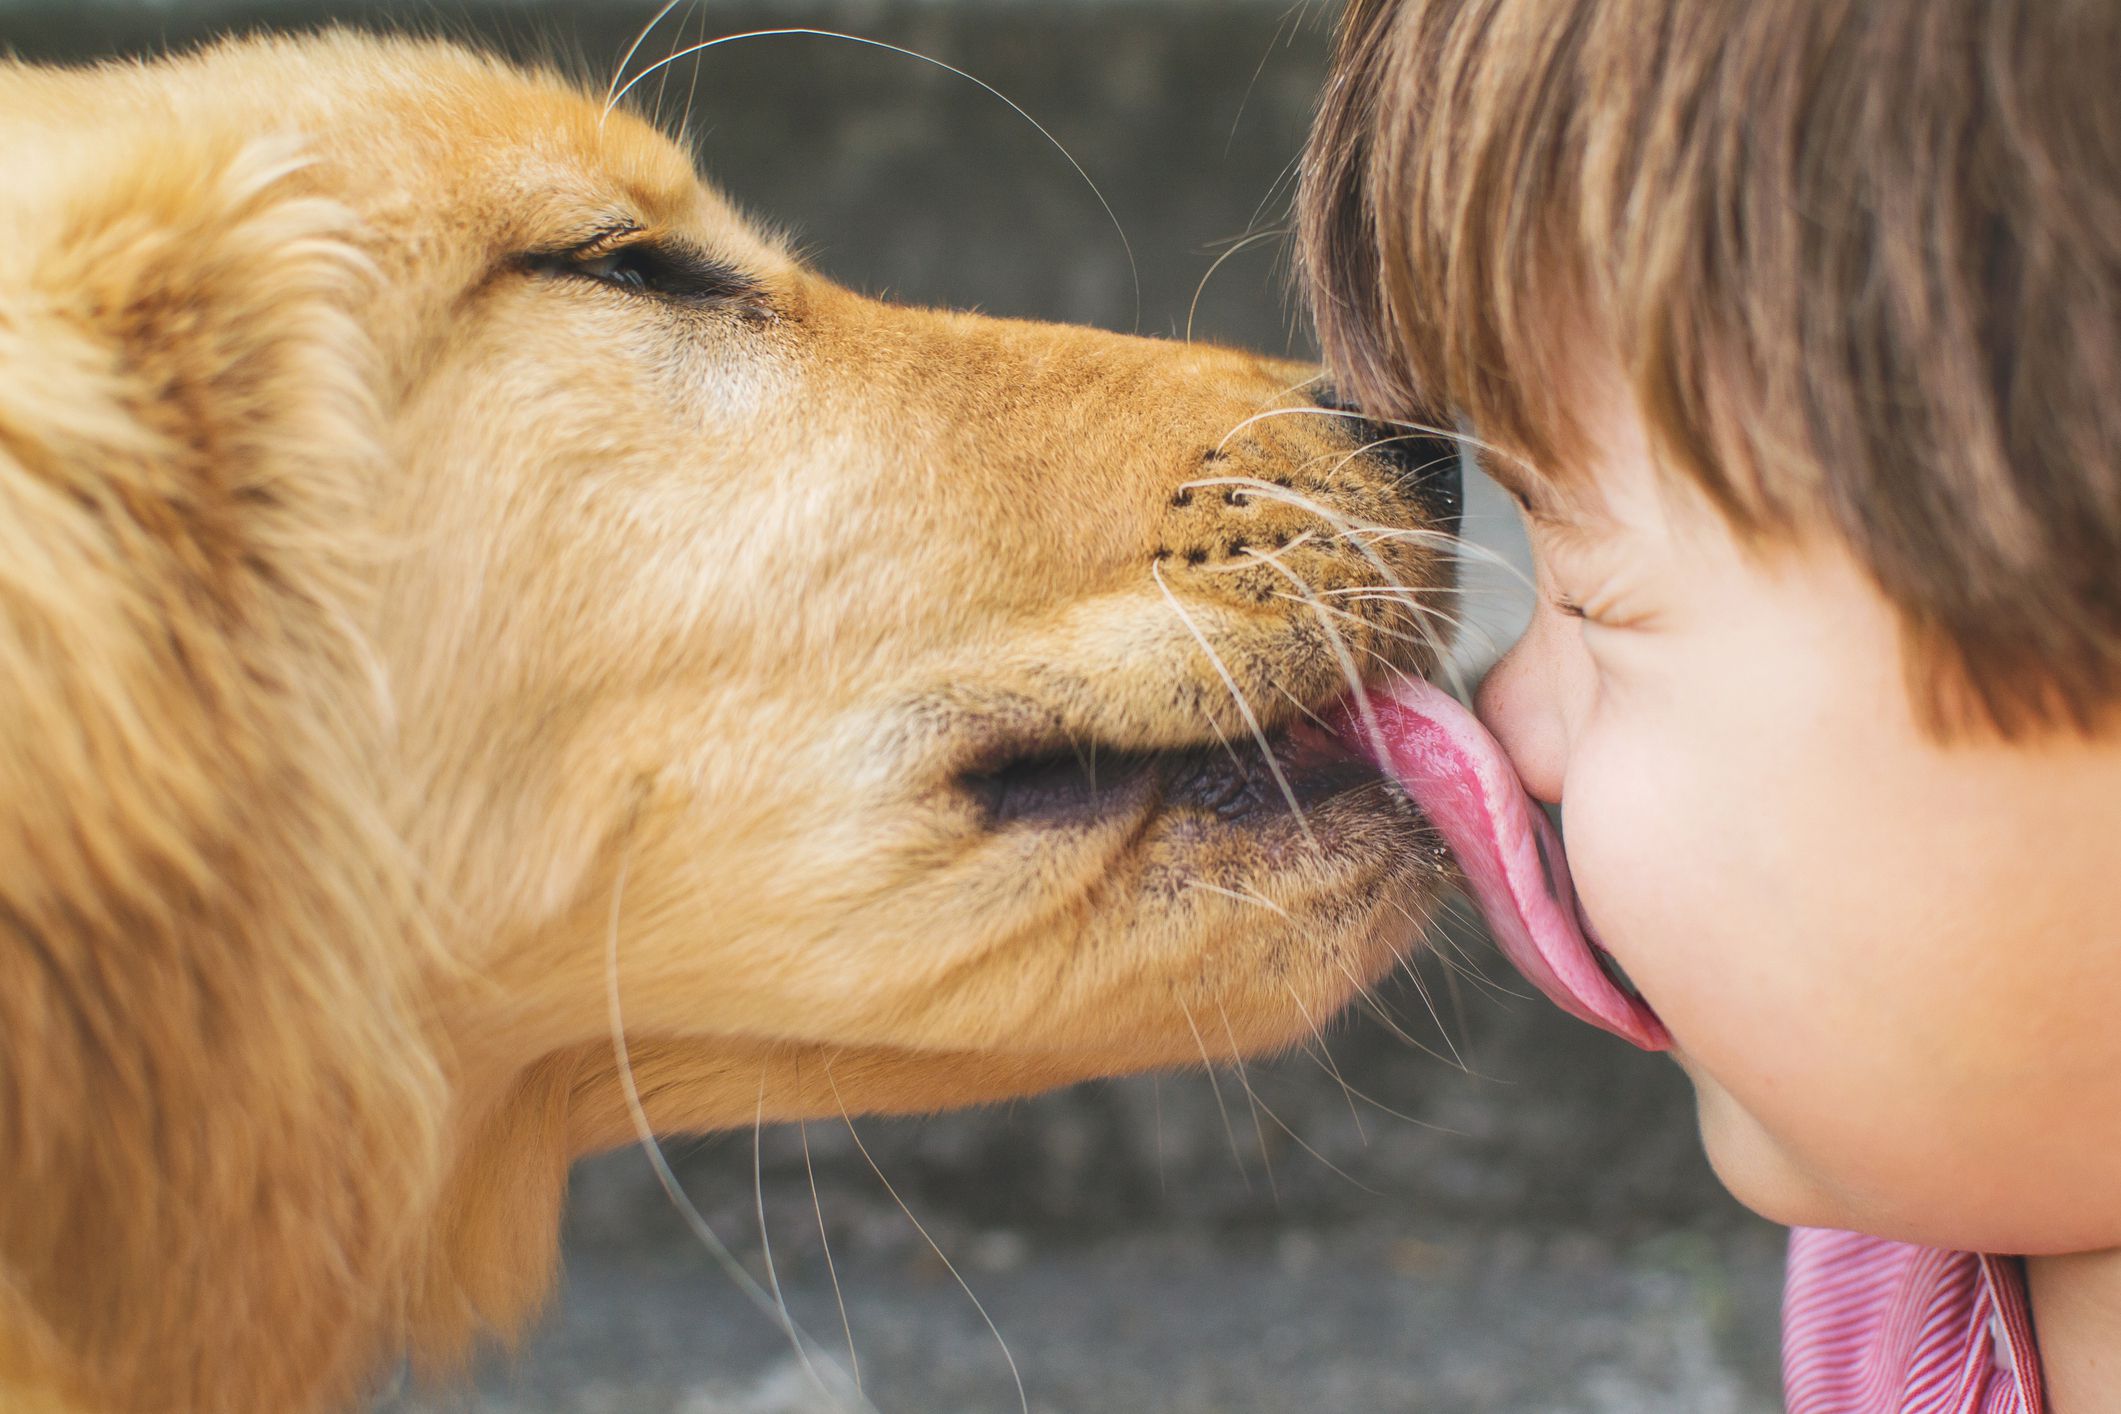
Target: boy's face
<point>1891,967</point>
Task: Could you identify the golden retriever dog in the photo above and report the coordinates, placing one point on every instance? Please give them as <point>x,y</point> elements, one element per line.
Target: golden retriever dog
<point>493,648</point>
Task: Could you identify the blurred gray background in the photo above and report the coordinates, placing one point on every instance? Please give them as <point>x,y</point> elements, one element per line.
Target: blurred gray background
<point>1469,1204</point>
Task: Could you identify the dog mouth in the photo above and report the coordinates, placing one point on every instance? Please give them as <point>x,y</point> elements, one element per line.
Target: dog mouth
<point>1245,780</point>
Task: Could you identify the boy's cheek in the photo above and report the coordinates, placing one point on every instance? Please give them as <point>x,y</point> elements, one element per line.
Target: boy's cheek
<point>1695,906</point>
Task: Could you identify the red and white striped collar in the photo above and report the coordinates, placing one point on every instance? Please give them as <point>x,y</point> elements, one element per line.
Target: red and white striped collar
<point>1877,1327</point>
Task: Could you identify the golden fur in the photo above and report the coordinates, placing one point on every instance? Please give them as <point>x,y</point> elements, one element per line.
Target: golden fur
<point>399,627</point>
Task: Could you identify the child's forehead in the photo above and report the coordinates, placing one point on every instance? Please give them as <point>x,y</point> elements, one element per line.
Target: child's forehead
<point>1614,487</point>
<point>1599,467</point>
<point>1580,515</point>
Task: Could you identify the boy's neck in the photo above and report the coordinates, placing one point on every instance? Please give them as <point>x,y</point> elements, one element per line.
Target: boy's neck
<point>2077,1320</point>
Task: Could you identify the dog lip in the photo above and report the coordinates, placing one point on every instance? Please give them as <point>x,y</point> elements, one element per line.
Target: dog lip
<point>1038,784</point>
<point>1058,789</point>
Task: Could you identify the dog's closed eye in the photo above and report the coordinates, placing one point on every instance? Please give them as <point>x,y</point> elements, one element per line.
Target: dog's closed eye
<point>661,267</point>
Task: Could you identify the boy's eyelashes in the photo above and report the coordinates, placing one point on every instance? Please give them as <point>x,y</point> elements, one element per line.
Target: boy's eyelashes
<point>1569,606</point>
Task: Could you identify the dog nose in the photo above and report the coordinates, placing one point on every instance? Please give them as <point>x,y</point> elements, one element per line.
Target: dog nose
<point>1430,470</point>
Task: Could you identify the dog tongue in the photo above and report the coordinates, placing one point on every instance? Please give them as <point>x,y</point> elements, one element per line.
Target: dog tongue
<point>1509,853</point>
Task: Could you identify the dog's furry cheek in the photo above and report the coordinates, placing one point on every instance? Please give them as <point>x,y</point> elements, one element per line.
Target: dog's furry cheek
<point>221,1086</point>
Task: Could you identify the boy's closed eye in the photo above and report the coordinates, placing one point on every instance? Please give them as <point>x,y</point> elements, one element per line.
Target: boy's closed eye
<point>1599,595</point>
<point>1594,570</point>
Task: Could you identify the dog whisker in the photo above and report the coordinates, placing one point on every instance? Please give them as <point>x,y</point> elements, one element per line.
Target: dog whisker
<point>1298,1140</point>
<point>1349,672</point>
<point>611,90</point>
<point>1376,628</point>
<point>1412,972</point>
<point>1413,975</point>
<point>817,1206</point>
<point>1331,1066</point>
<point>1445,947</point>
<point>1386,664</point>
<point>662,85</point>
<point>1376,595</point>
<point>1351,530</point>
<point>1370,1002</point>
<point>1457,548</point>
<point>1241,895</point>
<point>618,95</point>
<point>1244,708</point>
<point>1023,1399</point>
<point>1254,239</point>
<point>1281,180</point>
<point>665,1176</point>
<point>1348,529</point>
<point>1463,963</point>
<point>1303,709</point>
<point>1470,637</point>
<point>1272,492</point>
<point>1259,1130</point>
<point>1448,434</point>
<point>1269,555</point>
<point>1459,625</point>
<point>1375,1009</point>
<point>1215,1085</point>
<point>1287,21</point>
<point>758,1197</point>
<point>692,90</point>
<point>1372,446</point>
<point>1291,391</point>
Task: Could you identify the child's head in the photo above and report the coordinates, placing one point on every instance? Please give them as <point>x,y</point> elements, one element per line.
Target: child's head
<point>1798,327</point>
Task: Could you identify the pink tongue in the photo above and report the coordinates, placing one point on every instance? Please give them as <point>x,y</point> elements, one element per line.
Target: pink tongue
<point>1459,777</point>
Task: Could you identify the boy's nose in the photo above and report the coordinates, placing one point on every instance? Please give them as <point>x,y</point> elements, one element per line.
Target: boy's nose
<point>1519,704</point>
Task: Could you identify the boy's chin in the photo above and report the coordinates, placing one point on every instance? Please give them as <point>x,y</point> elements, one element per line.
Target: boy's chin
<point>1753,1164</point>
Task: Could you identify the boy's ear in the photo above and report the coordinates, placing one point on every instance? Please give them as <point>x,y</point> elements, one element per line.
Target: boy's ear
<point>217,1094</point>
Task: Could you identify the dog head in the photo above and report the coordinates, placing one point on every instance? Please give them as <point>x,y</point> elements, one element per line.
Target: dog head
<point>503,653</point>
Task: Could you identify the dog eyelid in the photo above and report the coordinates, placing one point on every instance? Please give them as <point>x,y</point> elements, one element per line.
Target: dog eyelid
<point>627,258</point>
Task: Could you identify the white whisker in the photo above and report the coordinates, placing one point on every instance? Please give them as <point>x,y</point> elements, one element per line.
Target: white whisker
<point>613,100</point>
<point>1254,239</point>
<point>1460,549</point>
<point>758,1197</point>
<point>817,1206</point>
<point>1229,1130</point>
<point>1422,928</point>
<point>1244,708</point>
<point>1269,555</point>
<point>1370,1002</point>
<point>611,90</point>
<point>1448,434</point>
<point>1259,1130</point>
<point>1023,1399</point>
<point>1350,673</point>
<point>1293,389</point>
<point>1391,633</point>
<point>1332,1067</point>
<point>1245,98</point>
<point>1302,709</point>
<point>665,1176</point>
<point>1241,895</point>
<point>1342,523</point>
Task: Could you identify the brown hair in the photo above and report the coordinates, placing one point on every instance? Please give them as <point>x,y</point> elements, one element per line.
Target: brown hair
<point>1859,260</point>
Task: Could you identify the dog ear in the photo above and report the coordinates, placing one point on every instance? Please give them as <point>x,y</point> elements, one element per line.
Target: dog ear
<point>219,1105</point>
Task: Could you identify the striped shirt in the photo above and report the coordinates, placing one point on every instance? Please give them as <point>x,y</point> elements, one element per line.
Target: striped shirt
<point>1877,1327</point>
